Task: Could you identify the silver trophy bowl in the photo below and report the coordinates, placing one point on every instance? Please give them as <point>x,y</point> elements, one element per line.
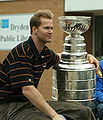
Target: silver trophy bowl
<point>74,78</point>
<point>74,24</point>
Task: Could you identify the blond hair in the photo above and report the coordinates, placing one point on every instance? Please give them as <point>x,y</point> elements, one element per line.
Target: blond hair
<point>35,20</point>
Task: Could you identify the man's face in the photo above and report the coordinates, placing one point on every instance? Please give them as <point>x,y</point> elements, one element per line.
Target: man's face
<point>44,32</point>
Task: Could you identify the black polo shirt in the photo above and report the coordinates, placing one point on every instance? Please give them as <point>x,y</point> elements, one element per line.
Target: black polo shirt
<point>23,66</point>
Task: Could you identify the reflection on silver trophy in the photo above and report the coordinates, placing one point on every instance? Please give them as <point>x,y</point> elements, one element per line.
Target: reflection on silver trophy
<point>74,78</point>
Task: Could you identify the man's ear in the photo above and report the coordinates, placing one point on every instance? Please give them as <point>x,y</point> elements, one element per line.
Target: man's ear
<point>34,29</point>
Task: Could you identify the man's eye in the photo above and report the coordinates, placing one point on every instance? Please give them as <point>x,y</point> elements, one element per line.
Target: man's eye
<point>46,28</point>
<point>52,28</point>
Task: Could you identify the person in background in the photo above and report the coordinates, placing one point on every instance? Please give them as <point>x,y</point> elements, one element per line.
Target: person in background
<point>99,91</point>
<point>20,74</point>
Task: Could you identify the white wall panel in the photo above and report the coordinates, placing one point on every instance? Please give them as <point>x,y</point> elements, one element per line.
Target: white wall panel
<point>83,5</point>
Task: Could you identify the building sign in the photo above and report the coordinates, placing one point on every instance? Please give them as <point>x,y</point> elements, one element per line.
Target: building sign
<point>14,29</point>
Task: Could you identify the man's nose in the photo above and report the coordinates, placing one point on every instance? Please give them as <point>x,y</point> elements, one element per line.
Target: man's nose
<point>50,30</point>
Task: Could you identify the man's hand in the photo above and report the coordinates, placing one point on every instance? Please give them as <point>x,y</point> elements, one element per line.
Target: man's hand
<point>93,60</point>
<point>59,117</point>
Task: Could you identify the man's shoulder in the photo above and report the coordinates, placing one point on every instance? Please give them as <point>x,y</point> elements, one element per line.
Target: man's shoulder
<point>21,48</point>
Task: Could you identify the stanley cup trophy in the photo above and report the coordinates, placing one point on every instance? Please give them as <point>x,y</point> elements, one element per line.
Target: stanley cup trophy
<point>74,78</point>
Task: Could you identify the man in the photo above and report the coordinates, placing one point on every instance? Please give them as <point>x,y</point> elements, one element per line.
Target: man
<point>99,91</point>
<point>20,74</point>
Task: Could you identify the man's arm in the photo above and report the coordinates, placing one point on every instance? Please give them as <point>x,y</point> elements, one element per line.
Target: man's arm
<point>34,96</point>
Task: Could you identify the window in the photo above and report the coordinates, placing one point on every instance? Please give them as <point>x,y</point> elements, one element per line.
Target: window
<point>98,23</point>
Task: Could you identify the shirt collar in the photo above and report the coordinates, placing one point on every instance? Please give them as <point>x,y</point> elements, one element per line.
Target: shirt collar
<point>34,49</point>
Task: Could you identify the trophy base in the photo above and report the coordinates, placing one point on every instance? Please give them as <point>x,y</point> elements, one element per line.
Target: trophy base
<point>76,83</point>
